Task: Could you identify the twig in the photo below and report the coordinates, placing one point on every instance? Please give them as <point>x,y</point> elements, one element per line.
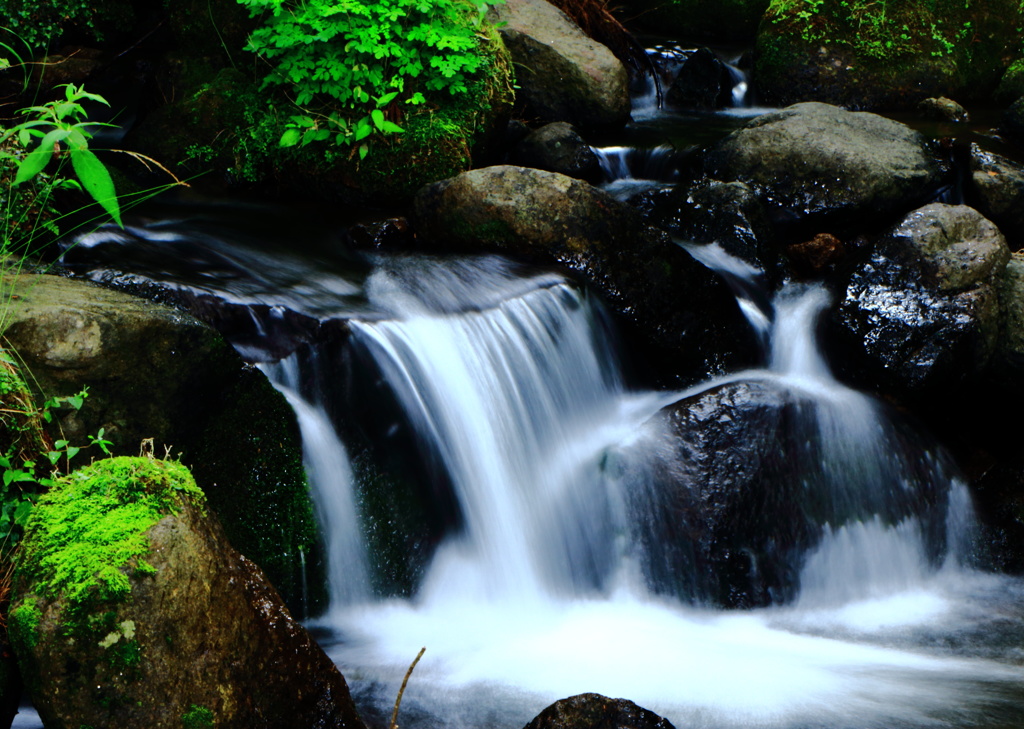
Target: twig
<point>398,701</point>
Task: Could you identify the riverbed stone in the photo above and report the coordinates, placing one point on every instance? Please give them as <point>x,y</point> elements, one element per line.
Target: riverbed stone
<point>675,304</point>
<point>131,609</point>
<point>998,185</point>
<point>562,74</point>
<point>703,82</point>
<point>813,159</point>
<point>922,313</point>
<point>594,711</point>
<point>558,147</point>
<point>943,109</point>
<point>884,56</point>
<point>157,374</point>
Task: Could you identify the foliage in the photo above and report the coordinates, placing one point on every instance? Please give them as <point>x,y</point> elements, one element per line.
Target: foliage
<point>41,22</point>
<point>198,717</point>
<point>353,65</point>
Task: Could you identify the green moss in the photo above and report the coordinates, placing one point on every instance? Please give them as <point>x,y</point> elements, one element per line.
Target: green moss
<point>94,523</point>
<point>23,623</point>
<point>198,717</point>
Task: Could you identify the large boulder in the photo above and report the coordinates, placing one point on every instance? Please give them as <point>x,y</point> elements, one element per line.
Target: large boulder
<point>754,472</point>
<point>594,711</point>
<point>921,315</point>
<point>819,160</point>
<point>884,55</point>
<point>997,184</point>
<point>546,218</point>
<point>154,372</point>
<point>131,609</point>
<point>562,74</point>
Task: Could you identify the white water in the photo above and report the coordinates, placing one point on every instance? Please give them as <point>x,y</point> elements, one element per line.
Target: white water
<point>539,596</point>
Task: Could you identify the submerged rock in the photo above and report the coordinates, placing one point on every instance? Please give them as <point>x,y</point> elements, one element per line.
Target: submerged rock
<point>562,74</point>
<point>923,313</point>
<point>594,711</point>
<point>131,609</point>
<point>818,160</point>
<point>677,304</point>
<point>998,185</point>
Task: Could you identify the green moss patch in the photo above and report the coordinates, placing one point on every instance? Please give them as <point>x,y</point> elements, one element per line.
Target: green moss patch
<point>92,526</point>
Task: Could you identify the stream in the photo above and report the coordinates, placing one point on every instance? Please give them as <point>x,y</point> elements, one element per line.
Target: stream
<point>509,394</point>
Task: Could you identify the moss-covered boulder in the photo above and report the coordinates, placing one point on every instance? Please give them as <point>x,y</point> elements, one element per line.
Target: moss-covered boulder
<point>673,302</point>
<point>870,55</point>
<point>996,187</point>
<point>1011,87</point>
<point>230,127</point>
<point>157,373</point>
<point>705,19</point>
<point>131,609</point>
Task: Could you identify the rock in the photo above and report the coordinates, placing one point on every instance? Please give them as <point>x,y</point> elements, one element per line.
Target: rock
<point>818,160</point>
<point>943,109</point>
<point>703,82</point>
<point>131,609</point>
<point>546,218</point>
<point>562,74</point>
<point>866,56</point>
<point>557,147</point>
<point>712,19</point>
<point>923,310</point>
<point>998,497</point>
<point>726,213</point>
<point>753,473</point>
<point>821,253</point>
<point>594,711</point>
<point>74,64</point>
<point>1011,305</point>
<point>1013,120</point>
<point>997,184</point>
<point>156,373</point>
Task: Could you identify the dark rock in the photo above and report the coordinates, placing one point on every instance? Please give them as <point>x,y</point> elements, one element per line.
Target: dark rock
<point>546,218</point>
<point>818,160</point>
<point>1013,120</point>
<point>727,213</point>
<point>158,619</point>
<point>998,497</point>
<point>754,473</point>
<point>1011,309</point>
<point>1011,87</point>
<point>594,711</point>
<point>703,82</point>
<point>943,109</point>
<point>923,310</point>
<point>73,65</point>
<point>562,74</point>
<point>998,185</point>
<point>557,147</point>
<point>157,373</point>
<point>866,56</point>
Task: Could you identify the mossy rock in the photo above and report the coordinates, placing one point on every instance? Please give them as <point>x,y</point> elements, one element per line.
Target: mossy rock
<point>869,55</point>
<point>705,19</point>
<point>231,129</point>
<point>131,609</point>
<point>1011,86</point>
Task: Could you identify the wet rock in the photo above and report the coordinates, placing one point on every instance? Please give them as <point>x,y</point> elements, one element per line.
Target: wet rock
<point>562,74</point>
<point>703,82</point>
<point>752,474</point>
<point>1011,87</point>
<point>1013,120</point>
<point>558,147</point>
<point>1011,305</point>
<point>998,496</point>
<point>943,109</point>
<point>727,213</point>
<point>866,56</point>
<point>154,372</point>
<point>923,310</point>
<point>542,217</point>
<point>594,711</point>
<point>131,609</point>
<point>818,160</point>
<point>998,185</point>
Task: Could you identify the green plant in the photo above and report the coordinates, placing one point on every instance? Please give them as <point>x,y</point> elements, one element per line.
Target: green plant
<point>353,65</point>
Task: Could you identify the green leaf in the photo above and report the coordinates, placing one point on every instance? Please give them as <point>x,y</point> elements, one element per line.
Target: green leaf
<point>378,118</point>
<point>364,149</point>
<point>290,138</point>
<point>96,180</point>
<point>23,512</point>
<point>33,164</point>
